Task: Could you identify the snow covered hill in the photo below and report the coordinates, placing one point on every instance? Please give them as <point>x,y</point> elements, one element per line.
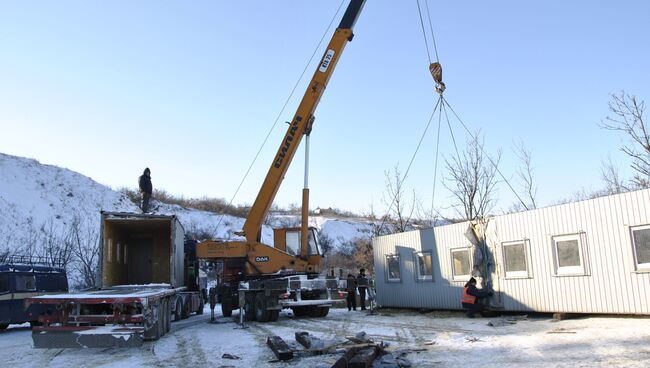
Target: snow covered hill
<point>40,202</point>
<point>36,199</point>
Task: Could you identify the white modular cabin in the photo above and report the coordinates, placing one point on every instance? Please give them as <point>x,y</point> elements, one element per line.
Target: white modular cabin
<point>591,256</point>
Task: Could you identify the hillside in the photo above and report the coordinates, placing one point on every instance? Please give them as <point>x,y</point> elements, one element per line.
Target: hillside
<point>41,204</point>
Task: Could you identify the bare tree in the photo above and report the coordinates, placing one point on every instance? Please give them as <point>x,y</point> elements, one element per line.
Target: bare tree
<point>363,255</point>
<point>610,174</point>
<point>525,173</point>
<point>627,117</point>
<point>400,212</point>
<point>84,241</point>
<point>56,247</point>
<point>472,179</point>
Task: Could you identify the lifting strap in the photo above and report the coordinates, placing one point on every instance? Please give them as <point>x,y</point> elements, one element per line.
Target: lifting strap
<point>436,72</point>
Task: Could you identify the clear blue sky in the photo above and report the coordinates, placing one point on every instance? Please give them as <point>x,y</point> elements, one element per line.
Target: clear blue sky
<point>190,89</point>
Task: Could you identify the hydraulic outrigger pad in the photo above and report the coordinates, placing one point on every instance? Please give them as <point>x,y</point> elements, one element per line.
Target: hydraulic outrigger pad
<point>436,73</point>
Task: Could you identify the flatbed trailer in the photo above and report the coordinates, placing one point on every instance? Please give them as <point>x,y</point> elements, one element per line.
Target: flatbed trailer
<point>123,316</point>
<point>148,276</point>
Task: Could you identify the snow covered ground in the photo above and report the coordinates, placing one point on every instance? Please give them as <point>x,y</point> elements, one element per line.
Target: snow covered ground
<point>448,339</point>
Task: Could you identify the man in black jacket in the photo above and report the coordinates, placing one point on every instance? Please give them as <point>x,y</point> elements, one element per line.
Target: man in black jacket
<point>145,189</point>
<point>362,282</point>
<point>471,298</point>
<point>352,292</point>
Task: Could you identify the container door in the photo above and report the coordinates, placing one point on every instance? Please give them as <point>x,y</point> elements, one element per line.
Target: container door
<point>140,261</point>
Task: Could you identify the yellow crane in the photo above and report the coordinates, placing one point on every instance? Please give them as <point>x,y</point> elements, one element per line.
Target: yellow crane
<point>286,274</point>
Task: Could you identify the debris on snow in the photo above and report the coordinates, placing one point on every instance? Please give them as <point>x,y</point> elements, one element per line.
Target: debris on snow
<point>279,347</point>
<point>506,320</point>
<point>560,330</point>
<point>230,356</point>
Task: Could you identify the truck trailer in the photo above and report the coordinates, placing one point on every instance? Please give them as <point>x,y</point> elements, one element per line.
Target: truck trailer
<point>146,279</point>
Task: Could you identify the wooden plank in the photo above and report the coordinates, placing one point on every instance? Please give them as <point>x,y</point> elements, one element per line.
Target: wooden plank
<point>364,358</point>
<point>343,361</point>
<point>309,341</point>
<point>279,347</point>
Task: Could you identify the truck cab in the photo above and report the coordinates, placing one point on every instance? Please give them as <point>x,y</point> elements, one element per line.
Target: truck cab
<point>19,281</point>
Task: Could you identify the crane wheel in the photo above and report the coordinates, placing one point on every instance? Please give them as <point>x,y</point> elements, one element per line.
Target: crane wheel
<point>249,310</point>
<point>299,311</point>
<point>261,313</point>
<point>226,306</point>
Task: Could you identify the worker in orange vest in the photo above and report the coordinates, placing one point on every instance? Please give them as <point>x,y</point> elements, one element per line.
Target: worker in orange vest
<point>471,296</point>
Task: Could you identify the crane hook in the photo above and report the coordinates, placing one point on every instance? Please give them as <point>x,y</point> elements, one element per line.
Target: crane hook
<point>436,73</point>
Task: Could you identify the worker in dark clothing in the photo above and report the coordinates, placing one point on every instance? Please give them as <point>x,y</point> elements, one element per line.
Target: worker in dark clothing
<point>362,282</point>
<point>471,297</point>
<point>145,189</point>
<point>352,292</point>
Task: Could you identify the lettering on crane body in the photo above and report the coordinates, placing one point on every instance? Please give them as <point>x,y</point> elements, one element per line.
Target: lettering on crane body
<point>262,259</point>
<point>287,142</point>
<point>329,55</point>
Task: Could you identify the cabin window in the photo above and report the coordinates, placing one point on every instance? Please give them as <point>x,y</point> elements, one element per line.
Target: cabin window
<point>314,244</point>
<point>25,283</point>
<point>4,283</point>
<point>424,265</point>
<point>293,242</point>
<point>515,259</point>
<point>461,264</point>
<point>392,266</point>
<point>569,258</point>
<point>641,243</point>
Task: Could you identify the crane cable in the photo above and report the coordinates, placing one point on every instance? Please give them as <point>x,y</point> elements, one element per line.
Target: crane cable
<point>433,37</point>
<point>277,118</point>
<point>408,168</point>
<point>475,139</point>
<point>435,167</point>
<point>436,72</point>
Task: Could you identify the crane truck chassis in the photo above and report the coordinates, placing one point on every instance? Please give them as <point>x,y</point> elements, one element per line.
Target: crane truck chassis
<point>263,296</point>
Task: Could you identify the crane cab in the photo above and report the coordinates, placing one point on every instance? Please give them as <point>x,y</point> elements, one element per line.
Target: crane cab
<point>288,240</point>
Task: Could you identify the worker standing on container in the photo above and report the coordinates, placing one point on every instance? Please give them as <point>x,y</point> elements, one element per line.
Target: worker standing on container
<point>471,298</point>
<point>362,282</point>
<point>145,190</point>
<point>352,292</point>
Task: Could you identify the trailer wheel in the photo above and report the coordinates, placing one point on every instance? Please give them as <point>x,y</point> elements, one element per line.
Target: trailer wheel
<point>324,311</point>
<point>199,311</point>
<point>160,324</point>
<point>178,311</point>
<point>226,306</point>
<point>167,317</point>
<point>261,313</point>
<point>186,309</point>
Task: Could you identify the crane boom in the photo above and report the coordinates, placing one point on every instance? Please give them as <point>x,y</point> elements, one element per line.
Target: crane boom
<point>301,123</point>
